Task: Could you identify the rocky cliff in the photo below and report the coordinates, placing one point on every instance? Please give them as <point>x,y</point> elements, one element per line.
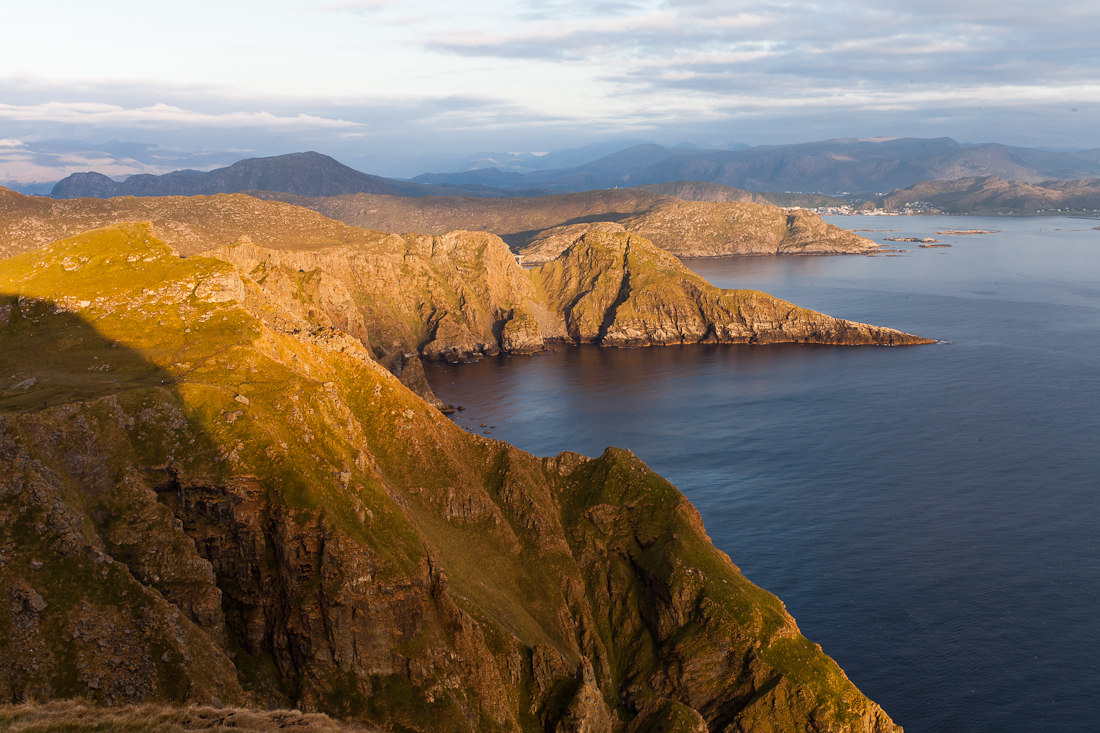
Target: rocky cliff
<point>456,296</point>
<point>200,502</point>
<point>462,295</point>
<point>618,289</point>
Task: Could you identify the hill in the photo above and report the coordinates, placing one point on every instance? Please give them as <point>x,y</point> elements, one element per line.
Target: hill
<point>992,195</point>
<point>304,174</point>
<point>189,224</point>
<point>208,500</point>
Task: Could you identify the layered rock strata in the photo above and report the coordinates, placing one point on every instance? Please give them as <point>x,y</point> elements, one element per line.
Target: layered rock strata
<point>205,504</point>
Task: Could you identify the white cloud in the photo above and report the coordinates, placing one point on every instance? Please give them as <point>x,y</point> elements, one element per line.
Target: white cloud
<point>100,113</point>
<point>357,5</point>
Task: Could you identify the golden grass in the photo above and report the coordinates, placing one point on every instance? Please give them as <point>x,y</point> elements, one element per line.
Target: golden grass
<point>77,716</point>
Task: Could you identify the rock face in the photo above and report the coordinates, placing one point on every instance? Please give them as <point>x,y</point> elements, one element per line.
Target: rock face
<point>618,289</point>
<point>548,244</point>
<point>457,296</point>
<point>218,506</point>
<point>462,296</point>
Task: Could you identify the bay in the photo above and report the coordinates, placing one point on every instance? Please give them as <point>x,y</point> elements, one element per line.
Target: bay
<point>928,514</point>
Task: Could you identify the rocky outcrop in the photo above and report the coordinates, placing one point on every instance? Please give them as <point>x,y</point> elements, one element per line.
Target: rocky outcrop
<point>618,289</point>
<point>241,513</point>
<point>548,244</point>
<point>462,296</point>
<point>452,297</point>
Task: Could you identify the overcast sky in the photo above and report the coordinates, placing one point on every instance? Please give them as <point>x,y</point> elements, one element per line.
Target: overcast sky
<point>391,87</point>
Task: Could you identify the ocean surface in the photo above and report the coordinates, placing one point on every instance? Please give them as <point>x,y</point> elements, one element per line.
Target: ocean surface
<point>931,514</point>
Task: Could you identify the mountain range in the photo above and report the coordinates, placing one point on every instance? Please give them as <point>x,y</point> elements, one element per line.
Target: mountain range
<point>307,174</point>
<point>831,167</point>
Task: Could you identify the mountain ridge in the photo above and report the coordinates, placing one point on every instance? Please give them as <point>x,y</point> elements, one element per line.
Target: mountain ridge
<point>309,173</point>
<point>828,166</point>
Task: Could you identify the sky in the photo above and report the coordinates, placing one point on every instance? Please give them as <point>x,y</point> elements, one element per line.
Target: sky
<point>401,88</point>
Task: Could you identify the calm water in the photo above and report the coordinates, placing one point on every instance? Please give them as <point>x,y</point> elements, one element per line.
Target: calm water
<point>928,514</point>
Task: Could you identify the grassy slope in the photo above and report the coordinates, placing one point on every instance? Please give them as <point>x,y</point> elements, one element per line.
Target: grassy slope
<point>338,448</point>
<point>188,224</point>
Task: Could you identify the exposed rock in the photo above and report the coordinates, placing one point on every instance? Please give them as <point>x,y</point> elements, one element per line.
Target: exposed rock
<point>618,289</point>
<point>410,370</point>
<point>549,243</point>
<point>454,297</point>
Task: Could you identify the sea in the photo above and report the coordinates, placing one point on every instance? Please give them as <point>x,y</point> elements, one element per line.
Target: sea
<point>929,514</point>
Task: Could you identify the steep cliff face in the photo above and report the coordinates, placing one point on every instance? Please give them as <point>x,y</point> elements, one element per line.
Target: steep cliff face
<point>618,289</point>
<point>455,296</point>
<point>463,295</point>
<point>200,501</point>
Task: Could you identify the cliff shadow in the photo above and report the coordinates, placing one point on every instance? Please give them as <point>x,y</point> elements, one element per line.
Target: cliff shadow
<point>50,356</point>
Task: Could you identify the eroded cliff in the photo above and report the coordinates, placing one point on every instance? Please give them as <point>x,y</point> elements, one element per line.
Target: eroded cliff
<point>618,289</point>
<point>462,296</point>
<point>201,503</point>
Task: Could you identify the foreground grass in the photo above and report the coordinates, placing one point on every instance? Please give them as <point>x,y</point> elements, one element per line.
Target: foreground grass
<point>76,716</point>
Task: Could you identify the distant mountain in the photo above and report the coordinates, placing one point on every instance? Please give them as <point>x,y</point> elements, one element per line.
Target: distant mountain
<point>831,166</point>
<point>302,174</point>
<point>991,195</point>
<point>610,171</point>
<point>35,167</point>
<point>552,160</point>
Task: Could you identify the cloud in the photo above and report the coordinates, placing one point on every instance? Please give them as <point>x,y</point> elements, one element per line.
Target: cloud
<point>712,46</point>
<point>357,5</point>
<point>160,114</point>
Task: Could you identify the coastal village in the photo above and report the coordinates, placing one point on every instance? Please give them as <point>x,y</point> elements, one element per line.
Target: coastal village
<point>868,209</point>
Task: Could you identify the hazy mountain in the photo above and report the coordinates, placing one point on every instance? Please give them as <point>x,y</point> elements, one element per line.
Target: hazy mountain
<point>830,166</point>
<point>553,160</point>
<point>34,167</point>
<point>303,174</point>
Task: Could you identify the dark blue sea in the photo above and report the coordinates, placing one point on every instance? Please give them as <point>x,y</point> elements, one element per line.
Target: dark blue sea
<point>930,515</point>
